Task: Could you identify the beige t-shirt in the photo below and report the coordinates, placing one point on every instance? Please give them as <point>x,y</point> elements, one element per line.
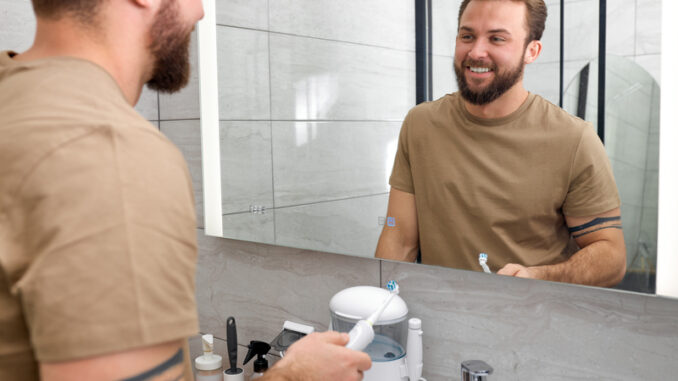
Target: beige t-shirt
<point>97,223</point>
<point>500,186</point>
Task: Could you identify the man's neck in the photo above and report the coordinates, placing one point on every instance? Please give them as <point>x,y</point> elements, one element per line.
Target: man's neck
<point>506,104</point>
<point>68,38</point>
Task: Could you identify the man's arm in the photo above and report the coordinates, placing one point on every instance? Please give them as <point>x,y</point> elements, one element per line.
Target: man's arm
<point>400,241</point>
<point>320,357</point>
<point>600,262</point>
<point>164,362</point>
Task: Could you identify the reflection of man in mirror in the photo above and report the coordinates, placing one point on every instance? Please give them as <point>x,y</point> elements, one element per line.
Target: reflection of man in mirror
<point>493,168</point>
<point>97,224</point>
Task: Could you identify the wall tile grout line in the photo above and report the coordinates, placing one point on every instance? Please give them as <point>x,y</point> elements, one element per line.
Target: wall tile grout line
<point>316,38</point>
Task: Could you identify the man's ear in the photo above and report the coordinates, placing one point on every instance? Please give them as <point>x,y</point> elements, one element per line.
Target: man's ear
<point>532,52</point>
<point>148,4</point>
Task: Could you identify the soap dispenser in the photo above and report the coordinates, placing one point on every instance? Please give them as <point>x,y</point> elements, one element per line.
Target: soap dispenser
<point>260,349</point>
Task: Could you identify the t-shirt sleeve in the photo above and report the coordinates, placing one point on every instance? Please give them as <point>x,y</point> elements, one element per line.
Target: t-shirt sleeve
<point>401,176</point>
<point>592,188</point>
<point>111,232</point>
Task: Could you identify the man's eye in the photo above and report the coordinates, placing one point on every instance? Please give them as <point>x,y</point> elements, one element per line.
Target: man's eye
<point>466,37</point>
<point>498,39</point>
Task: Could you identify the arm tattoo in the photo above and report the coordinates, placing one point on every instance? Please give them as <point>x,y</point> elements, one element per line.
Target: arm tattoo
<point>596,225</point>
<point>176,359</point>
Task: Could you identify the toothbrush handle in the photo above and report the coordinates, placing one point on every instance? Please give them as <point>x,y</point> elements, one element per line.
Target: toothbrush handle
<point>360,336</point>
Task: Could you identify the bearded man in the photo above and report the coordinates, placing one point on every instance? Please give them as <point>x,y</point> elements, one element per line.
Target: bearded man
<point>97,222</point>
<point>494,169</point>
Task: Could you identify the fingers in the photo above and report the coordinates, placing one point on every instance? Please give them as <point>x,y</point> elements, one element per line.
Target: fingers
<point>510,269</point>
<point>363,362</point>
<point>333,337</point>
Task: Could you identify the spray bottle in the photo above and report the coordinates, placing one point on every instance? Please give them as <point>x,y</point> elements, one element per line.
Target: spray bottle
<point>260,349</point>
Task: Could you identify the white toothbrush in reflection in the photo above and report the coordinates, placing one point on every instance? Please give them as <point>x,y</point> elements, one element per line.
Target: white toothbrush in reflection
<point>482,259</point>
<point>362,333</point>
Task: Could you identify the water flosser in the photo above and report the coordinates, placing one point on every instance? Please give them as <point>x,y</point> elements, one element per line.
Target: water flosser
<point>362,333</point>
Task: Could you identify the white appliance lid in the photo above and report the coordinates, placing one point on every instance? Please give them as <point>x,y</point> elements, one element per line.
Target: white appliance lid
<point>360,302</point>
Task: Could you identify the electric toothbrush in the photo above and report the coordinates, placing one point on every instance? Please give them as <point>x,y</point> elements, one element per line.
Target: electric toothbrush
<point>362,333</point>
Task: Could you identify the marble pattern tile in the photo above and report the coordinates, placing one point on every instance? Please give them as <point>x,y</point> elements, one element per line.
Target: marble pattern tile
<point>185,134</point>
<point>253,227</point>
<point>345,226</point>
<point>262,285</point>
<point>320,161</point>
<point>243,13</point>
<point>184,104</point>
<point>246,174</point>
<point>631,220</point>
<point>386,23</point>
<point>543,78</point>
<point>652,64</point>
<point>581,29</point>
<point>629,181</point>
<point>444,15</point>
<point>551,38</point>
<point>648,27</point>
<point>243,71</point>
<point>444,80</point>
<point>147,105</point>
<point>18,25</point>
<point>533,330</point>
<point>319,79</point>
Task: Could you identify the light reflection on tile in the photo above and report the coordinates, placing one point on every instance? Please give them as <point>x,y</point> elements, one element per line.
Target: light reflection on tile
<point>243,13</point>
<point>243,74</point>
<point>648,26</point>
<point>318,79</point>
<point>318,161</point>
<point>387,23</point>
<point>346,226</point>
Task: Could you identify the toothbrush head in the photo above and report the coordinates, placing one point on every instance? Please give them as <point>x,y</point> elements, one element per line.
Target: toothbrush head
<point>482,258</point>
<point>393,287</point>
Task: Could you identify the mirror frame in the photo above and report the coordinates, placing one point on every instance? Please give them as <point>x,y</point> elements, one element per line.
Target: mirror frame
<point>667,238</point>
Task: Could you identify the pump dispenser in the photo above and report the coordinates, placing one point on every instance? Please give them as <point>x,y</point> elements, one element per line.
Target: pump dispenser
<point>260,349</point>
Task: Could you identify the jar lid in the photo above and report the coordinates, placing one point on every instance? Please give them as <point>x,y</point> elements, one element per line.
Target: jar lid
<point>208,362</point>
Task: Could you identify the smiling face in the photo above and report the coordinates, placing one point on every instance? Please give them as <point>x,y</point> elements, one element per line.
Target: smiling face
<point>490,52</point>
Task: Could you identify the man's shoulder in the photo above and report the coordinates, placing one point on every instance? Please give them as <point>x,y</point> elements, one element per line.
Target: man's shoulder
<point>556,114</point>
<point>427,111</point>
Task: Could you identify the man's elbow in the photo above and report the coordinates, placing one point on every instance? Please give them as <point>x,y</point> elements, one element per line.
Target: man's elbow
<point>619,265</point>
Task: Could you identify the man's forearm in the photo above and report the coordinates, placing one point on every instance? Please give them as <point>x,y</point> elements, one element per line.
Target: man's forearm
<point>598,264</point>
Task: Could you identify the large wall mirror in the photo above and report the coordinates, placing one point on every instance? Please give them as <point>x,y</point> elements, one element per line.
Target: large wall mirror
<point>300,129</point>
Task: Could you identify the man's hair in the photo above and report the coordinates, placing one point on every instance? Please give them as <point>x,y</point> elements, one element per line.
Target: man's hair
<point>535,16</point>
<point>82,10</point>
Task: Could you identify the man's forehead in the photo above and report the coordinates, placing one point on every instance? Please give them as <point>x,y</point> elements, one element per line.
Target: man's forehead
<point>494,16</point>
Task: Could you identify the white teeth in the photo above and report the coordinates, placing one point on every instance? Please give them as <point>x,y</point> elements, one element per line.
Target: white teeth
<point>480,69</point>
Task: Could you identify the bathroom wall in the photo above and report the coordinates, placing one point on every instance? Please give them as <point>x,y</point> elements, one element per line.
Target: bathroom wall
<point>527,330</point>
<point>306,88</point>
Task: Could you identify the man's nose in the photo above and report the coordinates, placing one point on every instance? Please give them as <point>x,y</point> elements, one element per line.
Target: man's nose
<point>478,50</point>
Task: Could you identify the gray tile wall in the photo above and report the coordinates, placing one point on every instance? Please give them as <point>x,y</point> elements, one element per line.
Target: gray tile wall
<point>527,330</point>
<point>317,85</point>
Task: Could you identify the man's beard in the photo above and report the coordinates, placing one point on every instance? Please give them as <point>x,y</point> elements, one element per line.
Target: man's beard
<point>170,41</point>
<point>501,83</point>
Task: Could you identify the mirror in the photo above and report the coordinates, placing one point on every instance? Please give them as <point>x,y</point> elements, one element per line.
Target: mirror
<point>301,127</point>
<point>632,144</point>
